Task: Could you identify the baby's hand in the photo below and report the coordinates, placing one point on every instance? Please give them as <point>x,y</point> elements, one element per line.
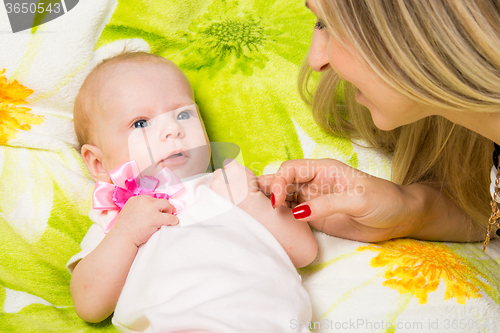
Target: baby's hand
<point>240,180</point>
<point>142,216</point>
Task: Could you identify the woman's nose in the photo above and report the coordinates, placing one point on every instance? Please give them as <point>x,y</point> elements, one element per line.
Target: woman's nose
<point>318,52</point>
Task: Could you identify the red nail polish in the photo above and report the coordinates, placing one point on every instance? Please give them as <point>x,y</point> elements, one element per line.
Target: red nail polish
<point>273,200</point>
<point>301,212</point>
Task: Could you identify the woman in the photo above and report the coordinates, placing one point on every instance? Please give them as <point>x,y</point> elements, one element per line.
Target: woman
<point>421,79</point>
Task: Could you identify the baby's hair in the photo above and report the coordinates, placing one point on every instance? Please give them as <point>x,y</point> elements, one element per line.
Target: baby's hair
<point>86,100</point>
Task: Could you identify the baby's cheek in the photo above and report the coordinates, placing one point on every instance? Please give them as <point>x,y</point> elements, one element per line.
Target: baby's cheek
<point>113,157</point>
<point>143,147</point>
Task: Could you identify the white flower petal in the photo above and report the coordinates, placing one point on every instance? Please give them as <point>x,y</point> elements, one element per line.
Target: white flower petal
<point>308,144</point>
<point>23,205</point>
<point>1,158</point>
<point>116,47</point>
<point>51,60</point>
<point>338,148</point>
<point>373,161</point>
<point>271,168</point>
<point>67,169</point>
<point>15,301</point>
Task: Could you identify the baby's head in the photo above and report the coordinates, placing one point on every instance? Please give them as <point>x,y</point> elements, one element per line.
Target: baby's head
<point>139,106</point>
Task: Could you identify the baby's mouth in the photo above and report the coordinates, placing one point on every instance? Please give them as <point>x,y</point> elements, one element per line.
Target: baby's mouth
<point>176,158</point>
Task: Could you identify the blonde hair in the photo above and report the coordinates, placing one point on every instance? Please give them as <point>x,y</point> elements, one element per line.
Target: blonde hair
<point>440,53</point>
<point>86,100</point>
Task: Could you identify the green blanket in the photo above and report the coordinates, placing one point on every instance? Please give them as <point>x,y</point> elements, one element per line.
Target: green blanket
<point>242,58</point>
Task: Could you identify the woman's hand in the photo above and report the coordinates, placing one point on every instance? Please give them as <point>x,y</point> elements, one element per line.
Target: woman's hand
<point>345,202</point>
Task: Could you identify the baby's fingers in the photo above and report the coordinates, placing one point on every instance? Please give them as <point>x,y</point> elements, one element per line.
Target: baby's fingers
<point>169,219</point>
<point>164,206</point>
<point>265,183</point>
<point>166,209</point>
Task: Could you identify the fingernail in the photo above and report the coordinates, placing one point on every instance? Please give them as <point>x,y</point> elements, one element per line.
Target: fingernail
<point>273,200</point>
<point>301,212</point>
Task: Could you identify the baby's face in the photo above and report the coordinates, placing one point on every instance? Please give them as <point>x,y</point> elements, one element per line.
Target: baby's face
<point>147,114</point>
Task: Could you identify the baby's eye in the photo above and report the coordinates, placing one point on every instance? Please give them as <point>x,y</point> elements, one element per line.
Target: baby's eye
<point>319,25</point>
<point>140,124</point>
<point>183,115</point>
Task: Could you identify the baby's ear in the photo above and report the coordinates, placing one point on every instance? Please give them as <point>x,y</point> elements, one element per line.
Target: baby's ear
<point>92,156</point>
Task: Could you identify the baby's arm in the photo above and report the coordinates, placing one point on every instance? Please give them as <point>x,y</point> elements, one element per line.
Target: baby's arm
<point>98,279</point>
<point>295,236</point>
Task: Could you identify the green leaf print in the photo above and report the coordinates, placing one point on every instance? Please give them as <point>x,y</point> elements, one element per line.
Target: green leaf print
<point>38,270</point>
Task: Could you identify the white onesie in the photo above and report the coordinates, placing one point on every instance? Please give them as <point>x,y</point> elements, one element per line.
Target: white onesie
<point>219,270</point>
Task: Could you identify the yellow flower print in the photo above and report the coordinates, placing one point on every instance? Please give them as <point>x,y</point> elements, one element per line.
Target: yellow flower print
<point>418,267</point>
<point>12,116</point>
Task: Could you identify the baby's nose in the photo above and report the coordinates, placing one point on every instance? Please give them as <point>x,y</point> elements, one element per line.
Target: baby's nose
<point>173,130</point>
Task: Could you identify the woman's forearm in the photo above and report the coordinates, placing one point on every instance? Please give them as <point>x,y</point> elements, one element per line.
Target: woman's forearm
<point>98,279</point>
<point>435,217</point>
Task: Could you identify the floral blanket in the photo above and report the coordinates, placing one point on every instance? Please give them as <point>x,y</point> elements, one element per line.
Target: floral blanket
<point>242,58</point>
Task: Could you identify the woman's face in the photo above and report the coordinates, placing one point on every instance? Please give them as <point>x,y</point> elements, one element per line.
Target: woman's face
<point>389,108</point>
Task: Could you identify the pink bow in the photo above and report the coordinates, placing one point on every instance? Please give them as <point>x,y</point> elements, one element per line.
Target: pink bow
<point>127,184</point>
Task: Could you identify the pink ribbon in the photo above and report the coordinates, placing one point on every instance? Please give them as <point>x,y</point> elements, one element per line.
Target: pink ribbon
<point>127,183</point>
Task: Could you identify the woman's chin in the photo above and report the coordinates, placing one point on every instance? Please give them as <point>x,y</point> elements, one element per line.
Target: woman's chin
<point>384,124</point>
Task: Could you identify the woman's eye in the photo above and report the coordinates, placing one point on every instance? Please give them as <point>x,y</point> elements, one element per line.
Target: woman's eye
<point>319,25</point>
<point>183,115</point>
<point>141,124</point>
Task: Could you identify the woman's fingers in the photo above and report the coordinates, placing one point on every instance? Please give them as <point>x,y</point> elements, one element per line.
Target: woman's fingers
<point>303,180</point>
<point>264,182</point>
<point>324,206</point>
<point>292,173</point>
<point>344,226</point>
<point>338,199</point>
<point>350,214</point>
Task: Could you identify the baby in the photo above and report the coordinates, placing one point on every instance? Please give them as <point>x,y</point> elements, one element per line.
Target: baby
<point>179,257</point>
